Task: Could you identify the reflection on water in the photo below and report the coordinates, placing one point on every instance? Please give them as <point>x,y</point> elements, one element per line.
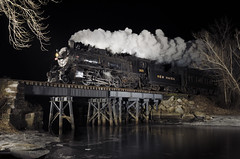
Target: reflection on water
<point>151,141</point>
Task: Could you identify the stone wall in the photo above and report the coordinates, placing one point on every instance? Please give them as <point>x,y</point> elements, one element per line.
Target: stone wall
<point>15,110</point>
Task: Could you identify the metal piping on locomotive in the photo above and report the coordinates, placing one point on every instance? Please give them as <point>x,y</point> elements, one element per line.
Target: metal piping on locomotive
<point>87,65</point>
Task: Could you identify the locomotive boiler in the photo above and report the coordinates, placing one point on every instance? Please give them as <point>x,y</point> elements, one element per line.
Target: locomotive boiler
<point>87,65</point>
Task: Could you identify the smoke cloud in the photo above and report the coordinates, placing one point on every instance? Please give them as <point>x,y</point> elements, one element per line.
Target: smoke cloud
<point>144,45</point>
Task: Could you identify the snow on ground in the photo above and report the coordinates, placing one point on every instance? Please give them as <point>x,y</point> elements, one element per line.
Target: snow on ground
<point>27,144</point>
<point>219,120</point>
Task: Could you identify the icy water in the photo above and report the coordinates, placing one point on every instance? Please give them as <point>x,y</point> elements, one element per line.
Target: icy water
<point>150,142</point>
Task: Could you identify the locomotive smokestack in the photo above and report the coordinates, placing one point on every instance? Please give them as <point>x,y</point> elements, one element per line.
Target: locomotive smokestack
<point>71,44</point>
<point>145,45</point>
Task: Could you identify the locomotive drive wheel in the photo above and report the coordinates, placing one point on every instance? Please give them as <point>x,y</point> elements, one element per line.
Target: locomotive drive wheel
<point>134,85</point>
<point>117,82</point>
<point>65,79</point>
<point>85,82</point>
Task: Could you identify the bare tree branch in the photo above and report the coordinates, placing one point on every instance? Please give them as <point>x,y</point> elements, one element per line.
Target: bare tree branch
<point>25,22</point>
<point>222,55</point>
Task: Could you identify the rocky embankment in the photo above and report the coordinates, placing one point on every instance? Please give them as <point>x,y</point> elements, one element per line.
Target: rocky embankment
<point>17,116</point>
<point>194,110</point>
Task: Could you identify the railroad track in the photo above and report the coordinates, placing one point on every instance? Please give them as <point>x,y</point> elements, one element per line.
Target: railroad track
<point>63,85</point>
<point>77,86</point>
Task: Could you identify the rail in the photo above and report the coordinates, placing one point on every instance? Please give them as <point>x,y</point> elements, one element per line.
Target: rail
<point>77,86</point>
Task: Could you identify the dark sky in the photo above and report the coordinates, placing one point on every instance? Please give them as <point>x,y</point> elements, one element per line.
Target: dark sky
<point>175,19</point>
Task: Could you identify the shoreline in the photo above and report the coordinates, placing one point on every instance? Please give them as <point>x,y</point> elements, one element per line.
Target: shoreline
<point>34,144</point>
<point>218,121</point>
<point>26,144</point>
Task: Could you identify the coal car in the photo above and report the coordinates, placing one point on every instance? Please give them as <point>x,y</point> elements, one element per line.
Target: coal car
<point>87,65</point>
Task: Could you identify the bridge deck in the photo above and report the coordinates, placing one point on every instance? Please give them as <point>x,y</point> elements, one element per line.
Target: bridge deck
<point>50,89</point>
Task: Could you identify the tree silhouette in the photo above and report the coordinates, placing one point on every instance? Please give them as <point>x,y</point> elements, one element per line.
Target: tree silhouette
<point>221,55</point>
<point>25,22</point>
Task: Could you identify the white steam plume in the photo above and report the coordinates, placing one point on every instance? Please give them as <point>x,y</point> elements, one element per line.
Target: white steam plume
<point>145,45</point>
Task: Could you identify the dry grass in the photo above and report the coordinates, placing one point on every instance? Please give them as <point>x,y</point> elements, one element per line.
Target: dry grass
<point>207,106</point>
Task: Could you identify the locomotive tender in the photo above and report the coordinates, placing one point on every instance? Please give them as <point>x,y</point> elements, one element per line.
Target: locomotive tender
<point>81,64</point>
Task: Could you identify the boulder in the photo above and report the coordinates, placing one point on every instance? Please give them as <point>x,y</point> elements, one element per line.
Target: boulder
<point>188,117</point>
<point>179,100</point>
<point>171,109</point>
<point>179,110</point>
<point>162,107</point>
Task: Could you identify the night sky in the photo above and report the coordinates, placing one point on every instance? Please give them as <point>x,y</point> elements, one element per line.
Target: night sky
<point>174,19</point>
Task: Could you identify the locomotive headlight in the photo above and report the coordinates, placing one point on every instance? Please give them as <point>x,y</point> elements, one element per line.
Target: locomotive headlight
<point>56,55</point>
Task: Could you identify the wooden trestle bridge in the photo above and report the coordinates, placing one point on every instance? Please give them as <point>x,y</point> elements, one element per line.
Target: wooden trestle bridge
<point>106,105</point>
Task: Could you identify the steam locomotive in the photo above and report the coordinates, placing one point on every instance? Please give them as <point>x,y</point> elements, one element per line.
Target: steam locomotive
<point>87,65</point>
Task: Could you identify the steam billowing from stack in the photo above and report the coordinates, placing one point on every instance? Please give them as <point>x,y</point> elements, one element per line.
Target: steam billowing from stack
<point>144,45</point>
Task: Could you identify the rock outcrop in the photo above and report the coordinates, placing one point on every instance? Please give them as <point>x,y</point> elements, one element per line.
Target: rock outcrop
<point>197,108</point>
<point>15,111</point>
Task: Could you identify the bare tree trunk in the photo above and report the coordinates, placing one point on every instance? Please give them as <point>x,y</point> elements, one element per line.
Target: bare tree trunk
<point>225,94</point>
<point>221,55</point>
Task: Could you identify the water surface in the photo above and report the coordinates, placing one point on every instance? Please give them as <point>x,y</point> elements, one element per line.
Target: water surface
<point>151,141</point>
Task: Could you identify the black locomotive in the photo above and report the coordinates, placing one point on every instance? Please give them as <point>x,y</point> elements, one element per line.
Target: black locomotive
<point>87,65</point>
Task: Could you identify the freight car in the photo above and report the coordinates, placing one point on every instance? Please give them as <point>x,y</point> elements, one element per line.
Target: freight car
<point>87,65</point>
